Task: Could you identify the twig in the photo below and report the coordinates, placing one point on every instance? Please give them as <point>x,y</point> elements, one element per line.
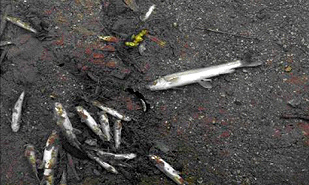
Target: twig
<point>226,33</point>
<point>295,116</point>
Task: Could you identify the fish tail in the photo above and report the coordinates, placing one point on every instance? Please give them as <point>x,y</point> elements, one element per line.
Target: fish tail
<point>249,62</point>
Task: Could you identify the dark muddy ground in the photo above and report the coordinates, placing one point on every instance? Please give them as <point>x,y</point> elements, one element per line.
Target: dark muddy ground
<point>230,134</point>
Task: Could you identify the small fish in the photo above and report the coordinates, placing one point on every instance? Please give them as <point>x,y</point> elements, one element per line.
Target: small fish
<point>200,76</point>
<point>105,165</point>
<point>167,169</point>
<point>30,154</point>
<point>20,23</point>
<point>149,12</point>
<point>131,4</point>
<point>116,156</point>
<point>50,157</point>
<point>111,111</point>
<point>105,125</point>
<point>117,133</point>
<point>16,116</point>
<point>109,38</point>
<point>112,156</point>
<point>5,43</point>
<point>91,123</point>
<point>65,124</point>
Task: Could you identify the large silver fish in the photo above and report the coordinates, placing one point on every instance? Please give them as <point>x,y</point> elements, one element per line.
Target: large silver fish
<point>50,158</point>
<point>200,76</point>
<point>65,124</point>
<point>90,122</point>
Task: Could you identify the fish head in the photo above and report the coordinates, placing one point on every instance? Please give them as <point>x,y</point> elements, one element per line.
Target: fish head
<point>159,84</point>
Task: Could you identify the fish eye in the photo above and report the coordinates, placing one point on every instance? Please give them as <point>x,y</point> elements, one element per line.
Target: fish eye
<point>155,82</point>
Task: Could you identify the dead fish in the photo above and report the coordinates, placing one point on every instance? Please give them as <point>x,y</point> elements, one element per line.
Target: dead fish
<point>50,157</point>
<point>20,23</point>
<point>105,165</point>
<point>111,111</point>
<point>113,156</point>
<point>117,133</point>
<point>131,4</point>
<point>91,123</point>
<point>16,116</point>
<point>5,43</point>
<point>105,125</point>
<point>148,13</point>
<point>66,126</point>
<point>30,155</point>
<point>200,76</point>
<point>167,169</point>
<point>116,156</point>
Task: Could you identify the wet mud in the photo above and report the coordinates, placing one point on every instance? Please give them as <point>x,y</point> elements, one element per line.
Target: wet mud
<point>251,127</point>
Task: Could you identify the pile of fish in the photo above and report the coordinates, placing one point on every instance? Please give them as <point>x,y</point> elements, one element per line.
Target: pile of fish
<point>96,154</point>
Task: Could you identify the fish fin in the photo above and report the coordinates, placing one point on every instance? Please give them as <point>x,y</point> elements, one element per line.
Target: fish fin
<point>205,83</point>
<point>248,62</point>
<point>171,79</point>
<point>77,131</point>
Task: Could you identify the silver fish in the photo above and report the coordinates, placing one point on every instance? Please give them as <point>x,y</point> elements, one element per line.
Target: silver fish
<point>50,157</point>
<point>149,12</point>
<point>105,125</point>
<point>117,133</point>
<point>113,156</point>
<point>116,156</point>
<point>65,124</point>
<point>105,165</point>
<point>111,111</point>
<point>16,116</point>
<point>167,169</point>
<point>200,76</point>
<point>20,23</point>
<point>91,123</point>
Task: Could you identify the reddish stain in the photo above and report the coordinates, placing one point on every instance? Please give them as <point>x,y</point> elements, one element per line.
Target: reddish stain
<point>222,111</point>
<point>156,40</point>
<point>129,104</point>
<point>289,128</point>
<point>225,134</point>
<point>305,128</point>
<point>224,123</point>
<point>110,64</point>
<point>60,41</point>
<point>298,80</point>
<point>126,71</point>
<point>145,68</point>
<point>88,51</point>
<point>108,48</point>
<point>98,55</point>
<point>24,38</point>
<point>201,108</point>
<point>163,108</point>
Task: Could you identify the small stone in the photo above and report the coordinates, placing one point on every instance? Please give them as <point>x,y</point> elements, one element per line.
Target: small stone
<point>288,69</point>
<point>96,172</point>
<point>199,180</point>
<point>294,103</point>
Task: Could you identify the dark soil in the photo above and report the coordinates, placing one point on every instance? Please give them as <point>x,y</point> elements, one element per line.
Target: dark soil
<point>233,133</point>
